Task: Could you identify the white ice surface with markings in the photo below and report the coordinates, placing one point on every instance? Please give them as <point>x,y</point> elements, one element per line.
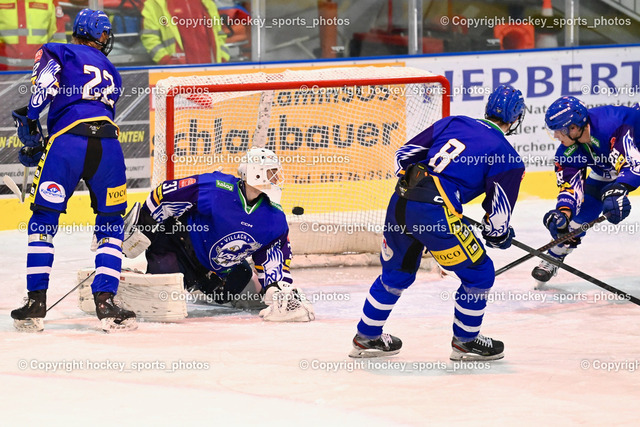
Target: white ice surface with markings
<point>572,351</point>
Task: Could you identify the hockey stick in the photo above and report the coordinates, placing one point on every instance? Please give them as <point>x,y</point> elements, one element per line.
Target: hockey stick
<point>76,287</point>
<point>566,267</point>
<point>25,179</point>
<point>559,240</point>
<point>24,184</point>
<point>11,184</point>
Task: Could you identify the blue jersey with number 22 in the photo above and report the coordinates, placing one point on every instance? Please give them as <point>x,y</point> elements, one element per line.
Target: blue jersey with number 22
<point>72,78</point>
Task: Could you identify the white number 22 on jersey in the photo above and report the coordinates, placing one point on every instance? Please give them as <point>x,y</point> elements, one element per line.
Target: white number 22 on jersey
<point>447,153</point>
<point>88,90</point>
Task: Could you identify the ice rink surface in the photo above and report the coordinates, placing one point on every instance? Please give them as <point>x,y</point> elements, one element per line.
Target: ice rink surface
<point>572,353</point>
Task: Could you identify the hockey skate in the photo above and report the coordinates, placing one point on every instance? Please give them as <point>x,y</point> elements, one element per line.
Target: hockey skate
<point>545,271</point>
<point>481,348</point>
<point>112,317</point>
<point>386,345</point>
<point>30,317</point>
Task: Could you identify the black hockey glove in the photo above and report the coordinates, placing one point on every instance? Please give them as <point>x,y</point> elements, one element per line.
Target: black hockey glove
<point>615,203</point>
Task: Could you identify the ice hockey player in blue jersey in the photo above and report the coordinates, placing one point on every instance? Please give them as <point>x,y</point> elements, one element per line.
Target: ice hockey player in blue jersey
<point>81,88</point>
<point>597,165</point>
<point>206,226</point>
<point>447,165</point>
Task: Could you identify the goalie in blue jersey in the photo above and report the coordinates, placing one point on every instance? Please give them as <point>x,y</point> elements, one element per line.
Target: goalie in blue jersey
<point>445,166</point>
<point>206,226</point>
<point>81,87</point>
<point>597,165</point>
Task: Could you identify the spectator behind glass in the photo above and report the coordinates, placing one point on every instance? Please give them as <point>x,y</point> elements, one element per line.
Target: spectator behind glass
<point>25,25</point>
<point>180,32</point>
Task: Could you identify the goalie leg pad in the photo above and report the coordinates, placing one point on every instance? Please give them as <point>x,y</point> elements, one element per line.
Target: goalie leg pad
<point>153,297</point>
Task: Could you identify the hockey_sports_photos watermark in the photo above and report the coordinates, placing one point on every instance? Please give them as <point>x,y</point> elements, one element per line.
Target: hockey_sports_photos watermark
<point>505,297</point>
<point>215,21</point>
<point>122,366</point>
<point>540,22</point>
<point>199,297</point>
<point>235,158</point>
<point>406,367</point>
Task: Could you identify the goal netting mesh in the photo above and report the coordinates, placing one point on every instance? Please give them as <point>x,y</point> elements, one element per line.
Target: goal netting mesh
<point>335,131</point>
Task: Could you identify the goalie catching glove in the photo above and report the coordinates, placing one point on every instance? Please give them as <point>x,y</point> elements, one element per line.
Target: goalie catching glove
<point>286,304</point>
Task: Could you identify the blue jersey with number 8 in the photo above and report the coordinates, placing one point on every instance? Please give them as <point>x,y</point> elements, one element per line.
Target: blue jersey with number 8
<point>80,83</point>
<point>468,157</point>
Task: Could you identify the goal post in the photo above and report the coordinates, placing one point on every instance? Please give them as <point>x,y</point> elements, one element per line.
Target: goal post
<point>335,131</point>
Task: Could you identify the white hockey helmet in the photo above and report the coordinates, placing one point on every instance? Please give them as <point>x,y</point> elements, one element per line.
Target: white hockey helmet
<point>261,169</point>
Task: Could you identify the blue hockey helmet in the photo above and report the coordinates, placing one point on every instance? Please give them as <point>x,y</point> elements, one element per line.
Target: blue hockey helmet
<point>564,112</point>
<point>506,104</point>
<point>90,25</point>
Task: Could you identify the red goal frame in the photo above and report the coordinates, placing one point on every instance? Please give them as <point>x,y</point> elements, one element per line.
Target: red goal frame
<point>253,87</point>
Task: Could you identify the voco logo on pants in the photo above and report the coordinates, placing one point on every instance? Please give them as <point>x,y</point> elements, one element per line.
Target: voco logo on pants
<point>451,256</point>
<point>116,195</point>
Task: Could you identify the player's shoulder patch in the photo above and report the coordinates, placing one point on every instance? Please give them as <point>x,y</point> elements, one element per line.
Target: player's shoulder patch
<point>570,150</point>
<point>224,185</point>
<point>186,182</point>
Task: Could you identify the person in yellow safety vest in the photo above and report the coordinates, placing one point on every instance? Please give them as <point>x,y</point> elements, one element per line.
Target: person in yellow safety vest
<point>183,32</point>
<point>25,25</point>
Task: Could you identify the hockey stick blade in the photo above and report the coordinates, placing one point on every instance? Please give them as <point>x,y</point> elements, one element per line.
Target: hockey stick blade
<point>11,184</point>
<point>558,241</point>
<point>568,268</point>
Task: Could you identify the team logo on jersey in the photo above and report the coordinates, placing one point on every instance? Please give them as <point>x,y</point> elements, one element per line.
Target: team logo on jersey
<point>46,82</point>
<point>232,249</point>
<point>633,154</point>
<point>386,251</point>
<point>273,265</point>
<point>168,209</point>
<point>500,215</point>
<point>52,192</point>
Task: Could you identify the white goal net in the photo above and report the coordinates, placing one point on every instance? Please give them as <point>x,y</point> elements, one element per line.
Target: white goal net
<point>335,131</point>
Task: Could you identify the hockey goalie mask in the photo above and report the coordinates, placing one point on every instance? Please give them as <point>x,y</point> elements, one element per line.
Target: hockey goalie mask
<point>261,169</point>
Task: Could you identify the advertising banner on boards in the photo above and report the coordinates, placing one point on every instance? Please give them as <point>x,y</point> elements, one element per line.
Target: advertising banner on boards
<point>597,76</point>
